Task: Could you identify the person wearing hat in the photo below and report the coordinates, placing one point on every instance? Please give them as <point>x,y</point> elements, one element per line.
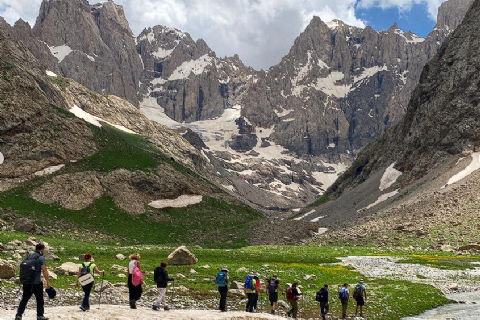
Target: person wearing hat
<point>160,276</point>
<point>91,268</point>
<point>222,283</point>
<point>36,287</point>
<point>251,289</point>
<point>360,295</point>
<point>273,285</point>
<point>344,296</point>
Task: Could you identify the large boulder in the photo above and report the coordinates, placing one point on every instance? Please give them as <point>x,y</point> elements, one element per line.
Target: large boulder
<point>25,225</point>
<point>67,269</point>
<point>7,271</point>
<point>182,256</point>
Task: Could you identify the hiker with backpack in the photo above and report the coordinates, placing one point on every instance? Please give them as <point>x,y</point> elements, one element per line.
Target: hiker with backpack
<point>30,270</point>
<point>160,276</point>
<point>273,285</point>
<point>322,297</point>
<point>85,276</point>
<point>360,295</point>
<point>251,289</point>
<point>344,296</point>
<point>292,297</point>
<point>222,283</point>
<point>135,280</point>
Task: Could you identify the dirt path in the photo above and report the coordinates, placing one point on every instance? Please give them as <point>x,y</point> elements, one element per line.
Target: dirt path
<point>125,313</point>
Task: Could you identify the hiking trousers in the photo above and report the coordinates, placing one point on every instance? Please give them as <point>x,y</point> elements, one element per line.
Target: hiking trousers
<point>86,299</point>
<point>161,297</point>
<point>294,310</point>
<point>251,301</point>
<point>324,306</point>
<point>223,298</point>
<point>28,291</point>
<point>344,308</point>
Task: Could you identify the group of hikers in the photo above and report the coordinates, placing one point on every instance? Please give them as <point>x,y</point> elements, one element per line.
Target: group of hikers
<point>34,266</point>
<point>252,287</point>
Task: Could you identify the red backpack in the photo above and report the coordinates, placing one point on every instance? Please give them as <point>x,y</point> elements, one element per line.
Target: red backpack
<point>290,295</point>
<point>137,275</point>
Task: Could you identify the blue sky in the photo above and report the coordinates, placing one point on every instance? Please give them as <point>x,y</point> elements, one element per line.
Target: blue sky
<point>261,32</point>
<point>417,19</point>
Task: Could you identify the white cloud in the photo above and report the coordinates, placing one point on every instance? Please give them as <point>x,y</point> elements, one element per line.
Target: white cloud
<point>404,5</point>
<point>12,10</point>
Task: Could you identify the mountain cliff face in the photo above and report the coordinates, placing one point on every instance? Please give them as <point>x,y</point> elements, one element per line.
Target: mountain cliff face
<point>425,161</point>
<point>93,45</point>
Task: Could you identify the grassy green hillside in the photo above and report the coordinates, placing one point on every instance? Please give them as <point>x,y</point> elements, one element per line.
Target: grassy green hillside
<point>213,222</point>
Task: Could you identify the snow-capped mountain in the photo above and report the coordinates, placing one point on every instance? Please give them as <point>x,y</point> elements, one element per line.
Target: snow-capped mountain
<point>277,138</point>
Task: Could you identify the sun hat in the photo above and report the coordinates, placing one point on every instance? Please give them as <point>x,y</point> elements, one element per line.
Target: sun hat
<point>225,268</point>
<point>51,292</point>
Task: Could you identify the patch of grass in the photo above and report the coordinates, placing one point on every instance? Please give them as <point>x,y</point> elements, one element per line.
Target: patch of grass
<point>59,81</point>
<point>323,199</point>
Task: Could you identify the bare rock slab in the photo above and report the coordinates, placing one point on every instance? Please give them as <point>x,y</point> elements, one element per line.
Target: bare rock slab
<point>182,256</point>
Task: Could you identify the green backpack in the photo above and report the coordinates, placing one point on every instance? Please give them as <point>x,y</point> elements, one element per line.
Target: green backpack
<point>357,291</point>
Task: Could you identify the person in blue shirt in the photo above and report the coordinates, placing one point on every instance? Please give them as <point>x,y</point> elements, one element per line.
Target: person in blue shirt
<point>36,287</point>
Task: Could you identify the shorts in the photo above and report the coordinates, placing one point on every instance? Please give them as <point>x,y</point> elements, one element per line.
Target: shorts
<point>273,297</point>
<point>360,301</point>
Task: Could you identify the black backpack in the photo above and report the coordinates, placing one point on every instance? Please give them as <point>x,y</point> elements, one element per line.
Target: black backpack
<point>320,296</point>
<point>28,268</point>
<point>272,286</point>
<point>85,269</point>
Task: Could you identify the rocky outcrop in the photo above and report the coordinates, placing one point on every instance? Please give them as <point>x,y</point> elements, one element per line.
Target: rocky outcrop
<point>93,45</point>
<point>182,256</point>
<point>26,225</point>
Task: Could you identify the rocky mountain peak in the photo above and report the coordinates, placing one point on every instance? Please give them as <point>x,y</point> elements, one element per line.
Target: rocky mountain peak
<point>450,13</point>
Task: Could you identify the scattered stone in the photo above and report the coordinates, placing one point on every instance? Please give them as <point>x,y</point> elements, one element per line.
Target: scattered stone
<point>192,271</point>
<point>116,267</point>
<point>67,269</point>
<point>51,256</point>
<point>106,286</point>
<point>120,256</point>
<point>181,256</point>
<point>122,275</point>
<point>237,292</point>
<point>453,287</point>
<point>282,304</point>
<point>469,247</point>
<point>312,285</point>
<point>183,289</point>
<point>205,266</point>
<point>52,275</point>
<point>236,285</point>
<point>180,276</point>
<point>243,269</point>
<point>308,277</point>
<point>7,271</point>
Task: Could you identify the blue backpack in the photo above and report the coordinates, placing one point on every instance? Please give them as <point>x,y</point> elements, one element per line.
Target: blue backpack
<point>342,295</point>
<point>221,279</point>
<point>248,283</point>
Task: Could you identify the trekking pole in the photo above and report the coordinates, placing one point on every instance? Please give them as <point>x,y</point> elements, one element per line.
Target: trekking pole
<point>101,289</point>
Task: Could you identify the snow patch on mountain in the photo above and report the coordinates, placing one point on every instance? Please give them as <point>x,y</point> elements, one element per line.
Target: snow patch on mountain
<point>389,177</point>
<point>60,52</point>
<point>96,121</point>
<point>473,166</point>
<point>193,66</point>
<point>180,202</point>
<point>380,199</point>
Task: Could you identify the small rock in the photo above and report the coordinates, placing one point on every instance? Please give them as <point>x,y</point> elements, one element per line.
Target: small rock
<point>193,271</point>
<point>237,292</point>
<point>106,286</point>
<point>453,286</point>
<point>122,275</point>
<point>236,285</point>
<point>282,304</point>
<point>116,267</point>
<point>68,269</point>
<point>25,225</point>
<point>180,276</point>
<point>308,277</point>
<point>120,256</point>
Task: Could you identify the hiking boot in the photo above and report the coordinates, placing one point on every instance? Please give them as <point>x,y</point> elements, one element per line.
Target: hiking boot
<point>83,308</point>
<point>166,308</point>
<point>132,304</point>
<point>42,318</point>
<point>18,317</point>
<point>155,308</point>
<point>272,312</point>
<point>289,314</point>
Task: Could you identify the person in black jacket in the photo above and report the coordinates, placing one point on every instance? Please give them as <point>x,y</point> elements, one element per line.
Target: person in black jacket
<point>160,276</point>
<point>324,301</point>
